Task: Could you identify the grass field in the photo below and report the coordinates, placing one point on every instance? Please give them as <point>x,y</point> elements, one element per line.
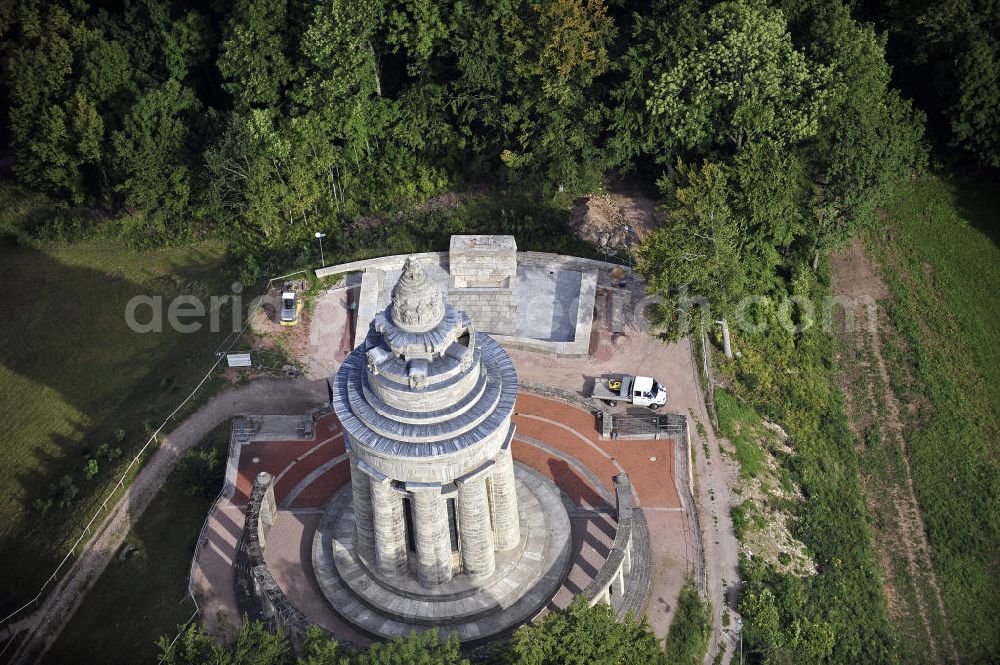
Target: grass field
<point>138,599</point>
<point>74,376</point>
<point>943,268</point>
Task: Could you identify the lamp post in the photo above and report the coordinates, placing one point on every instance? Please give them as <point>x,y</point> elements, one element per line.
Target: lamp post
<point>320,236</point>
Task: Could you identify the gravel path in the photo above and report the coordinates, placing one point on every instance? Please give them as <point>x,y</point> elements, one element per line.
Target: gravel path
<point>264,396</point>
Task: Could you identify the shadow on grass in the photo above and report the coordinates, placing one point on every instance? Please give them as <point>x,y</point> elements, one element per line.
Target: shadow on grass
<point>977,199</point>
<point>143,595</point>
<point>75,373</point>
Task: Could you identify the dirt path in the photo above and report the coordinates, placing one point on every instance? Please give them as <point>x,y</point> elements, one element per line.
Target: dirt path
<point>260,397</point>
<point>901,537</point>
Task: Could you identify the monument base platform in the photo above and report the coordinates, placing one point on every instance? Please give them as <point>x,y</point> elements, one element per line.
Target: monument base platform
<point>526,577</point>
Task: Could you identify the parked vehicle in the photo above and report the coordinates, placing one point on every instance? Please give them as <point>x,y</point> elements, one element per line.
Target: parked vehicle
<point>291,306</point>
<point>638,390</point>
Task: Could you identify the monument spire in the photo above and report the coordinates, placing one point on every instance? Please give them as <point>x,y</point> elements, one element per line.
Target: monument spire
<point>417,303</point>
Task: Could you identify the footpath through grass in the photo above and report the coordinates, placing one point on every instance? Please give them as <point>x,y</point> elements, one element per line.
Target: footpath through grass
<point>142,596</point>
<point>943,269</point>
<point>78,387</point>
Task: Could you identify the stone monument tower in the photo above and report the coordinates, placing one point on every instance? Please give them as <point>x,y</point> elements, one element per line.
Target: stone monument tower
<point>426,406</point>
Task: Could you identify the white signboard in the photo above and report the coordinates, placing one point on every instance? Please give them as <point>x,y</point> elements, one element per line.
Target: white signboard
<point>238,359</point>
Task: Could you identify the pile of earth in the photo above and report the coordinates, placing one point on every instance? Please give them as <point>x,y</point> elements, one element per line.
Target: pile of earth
<point>614,221</point>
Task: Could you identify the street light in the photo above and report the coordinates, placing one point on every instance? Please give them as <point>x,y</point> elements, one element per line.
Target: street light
<point>320,236</point>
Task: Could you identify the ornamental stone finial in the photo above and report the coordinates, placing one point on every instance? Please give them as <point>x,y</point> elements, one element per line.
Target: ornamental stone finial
<point>417,304</point>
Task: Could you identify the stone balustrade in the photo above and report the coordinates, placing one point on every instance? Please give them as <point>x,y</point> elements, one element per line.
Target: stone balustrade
<point>615,583</point>
<point>258,594</point>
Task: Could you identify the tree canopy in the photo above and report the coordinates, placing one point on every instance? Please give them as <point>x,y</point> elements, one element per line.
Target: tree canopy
<point>268,120</point>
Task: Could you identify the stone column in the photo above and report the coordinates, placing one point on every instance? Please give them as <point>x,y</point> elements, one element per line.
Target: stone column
<point>506,521</point>
<point>474,529</point>
<point>430,531</point>
<point>364,529</point>
<point>389,527</point>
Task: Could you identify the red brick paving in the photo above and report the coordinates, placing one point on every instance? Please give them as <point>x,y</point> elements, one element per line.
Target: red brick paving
<point>573,416</point>
<point>299,469</point>
<point>273,457</point>
<point>653,481</point>
<point>568,443</point>
<point>320,490</point>
<point>277,456</point>
<point>578,488</point>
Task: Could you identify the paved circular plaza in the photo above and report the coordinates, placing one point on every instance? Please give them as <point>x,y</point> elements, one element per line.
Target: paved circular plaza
<point>553,440</point>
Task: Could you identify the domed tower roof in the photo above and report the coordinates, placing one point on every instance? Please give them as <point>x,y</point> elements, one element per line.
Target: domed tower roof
<point>424,383</point>
<point>417,303</point>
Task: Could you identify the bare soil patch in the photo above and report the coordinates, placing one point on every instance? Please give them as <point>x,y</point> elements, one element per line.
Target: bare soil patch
<point>615,220</point>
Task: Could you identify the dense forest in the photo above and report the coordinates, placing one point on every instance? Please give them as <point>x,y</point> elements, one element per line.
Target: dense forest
<point>267,120</point>
<point>773,132</point>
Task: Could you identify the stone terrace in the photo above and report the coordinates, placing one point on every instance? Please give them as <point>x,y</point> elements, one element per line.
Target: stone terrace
<point>556,439</point>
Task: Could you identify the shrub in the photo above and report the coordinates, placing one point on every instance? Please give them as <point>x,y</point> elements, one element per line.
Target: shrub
<point>69,491</point>
<point>690,629</point>
<point>200,472</point>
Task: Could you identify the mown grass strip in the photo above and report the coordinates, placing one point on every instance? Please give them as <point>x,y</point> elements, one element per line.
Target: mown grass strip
<point>944,274</point>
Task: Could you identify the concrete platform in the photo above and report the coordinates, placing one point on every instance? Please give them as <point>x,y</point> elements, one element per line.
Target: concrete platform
<point>549,299</point>
<point>476,610</point>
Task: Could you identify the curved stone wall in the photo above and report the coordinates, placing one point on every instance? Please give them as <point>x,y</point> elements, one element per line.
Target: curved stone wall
<point>258,594</point>
<point>623,580</point>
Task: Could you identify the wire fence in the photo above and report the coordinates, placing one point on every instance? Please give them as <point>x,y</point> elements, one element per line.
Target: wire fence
<point>220,352</point>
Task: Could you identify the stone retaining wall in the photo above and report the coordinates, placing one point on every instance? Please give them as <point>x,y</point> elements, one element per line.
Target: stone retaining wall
<point>258,594</point>
<point>586,403</point>
<point>623,580</point>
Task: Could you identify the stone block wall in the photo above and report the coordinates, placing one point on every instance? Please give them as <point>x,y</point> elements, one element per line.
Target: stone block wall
<point>258,594</point>
<point>482,261</point>
<point>493,310</point>
<point>623,580</point>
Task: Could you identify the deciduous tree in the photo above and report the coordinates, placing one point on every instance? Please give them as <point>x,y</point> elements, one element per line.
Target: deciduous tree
<point>742,80</point>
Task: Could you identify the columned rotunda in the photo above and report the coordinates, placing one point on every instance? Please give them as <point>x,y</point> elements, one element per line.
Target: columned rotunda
<point>439,527</point>
<point>426,405</point>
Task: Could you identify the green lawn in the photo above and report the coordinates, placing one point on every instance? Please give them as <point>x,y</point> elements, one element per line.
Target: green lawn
<point>140,598</point>
<point>944,273</point>
<point>72,374</point>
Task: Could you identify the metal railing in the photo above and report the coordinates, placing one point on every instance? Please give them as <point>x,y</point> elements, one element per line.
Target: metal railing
<point>669,424</point>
